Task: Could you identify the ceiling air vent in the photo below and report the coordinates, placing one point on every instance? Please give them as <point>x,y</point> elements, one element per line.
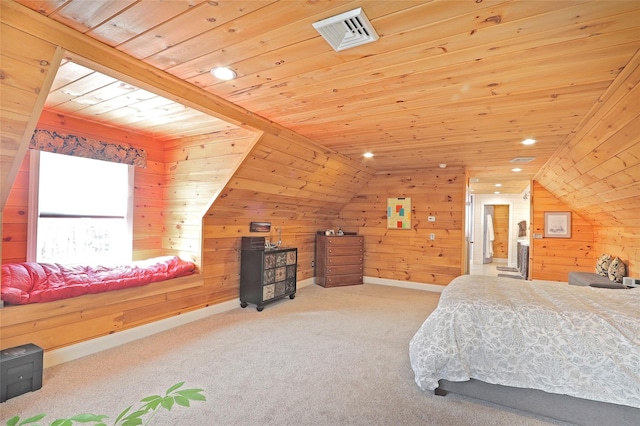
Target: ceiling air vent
<point>523,159</point>
<point>349,29</point>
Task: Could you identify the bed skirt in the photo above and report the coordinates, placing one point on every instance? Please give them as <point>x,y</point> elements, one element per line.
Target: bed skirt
<point>560,407</point>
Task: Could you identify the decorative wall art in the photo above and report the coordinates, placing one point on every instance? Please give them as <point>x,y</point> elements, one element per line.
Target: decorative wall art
<point>557,224</point>
<point>260,227</point>
<point>399,213</point>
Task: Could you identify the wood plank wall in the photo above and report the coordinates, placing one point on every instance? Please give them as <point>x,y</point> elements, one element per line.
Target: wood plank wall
<point>553,258</point>
<point>409,255</point>
<point>15,216</point>
<point>501,232</point>
<point>196,170</point>
<point>296,186</point>
<point>596,171</point>
<point>622,242</point>
<point>25,73</point>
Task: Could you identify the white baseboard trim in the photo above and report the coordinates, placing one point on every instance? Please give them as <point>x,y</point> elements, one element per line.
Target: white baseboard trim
<point>82,349</point>
<point>404,284</point>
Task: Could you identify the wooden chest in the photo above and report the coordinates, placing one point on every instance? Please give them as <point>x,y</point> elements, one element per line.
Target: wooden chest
<point>339,260</point>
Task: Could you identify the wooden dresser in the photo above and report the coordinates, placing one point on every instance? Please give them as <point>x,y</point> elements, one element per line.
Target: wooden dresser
<point>339,260</point>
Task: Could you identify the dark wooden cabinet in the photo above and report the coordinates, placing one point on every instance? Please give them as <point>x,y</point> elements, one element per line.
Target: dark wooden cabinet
<point>267,275</point>
<point>339,260</point>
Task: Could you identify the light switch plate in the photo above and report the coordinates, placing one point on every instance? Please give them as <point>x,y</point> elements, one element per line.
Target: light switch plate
<point>431,219</point>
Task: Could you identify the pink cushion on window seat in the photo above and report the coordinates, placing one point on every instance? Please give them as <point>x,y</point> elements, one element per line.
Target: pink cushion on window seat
<point>24,283</point>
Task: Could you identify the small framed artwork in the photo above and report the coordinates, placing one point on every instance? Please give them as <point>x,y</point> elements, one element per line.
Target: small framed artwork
<point>399,213</point>
<point>557,224</point>
<point>260,227</point>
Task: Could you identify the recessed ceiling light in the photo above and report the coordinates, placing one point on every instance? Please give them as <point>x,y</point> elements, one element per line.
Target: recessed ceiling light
<point>497,192</point>
<point>367,155</point>
<point>443,166</point>
<point>224,73</point>
<point>528,141</point>
<point>498,185</point>
<point>517,169</point>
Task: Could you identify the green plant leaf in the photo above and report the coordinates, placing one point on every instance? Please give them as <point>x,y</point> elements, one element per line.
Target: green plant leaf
<point>150,398</point>
<point>126,417</point>
<point>13,421</point>
<point>88,418</point>
<point>132,422</point>
<point>124,413</point>
<point>152,403</point>
<point>134,418</point>
<point>181,400</point>
<point>167,403</point>
<point>193,394</point>
<point>174,387</point>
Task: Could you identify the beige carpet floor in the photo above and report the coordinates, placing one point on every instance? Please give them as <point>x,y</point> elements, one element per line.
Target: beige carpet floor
<point>335,356</point>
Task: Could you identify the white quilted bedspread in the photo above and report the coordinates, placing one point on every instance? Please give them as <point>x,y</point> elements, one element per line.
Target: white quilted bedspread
<point>578,341</point>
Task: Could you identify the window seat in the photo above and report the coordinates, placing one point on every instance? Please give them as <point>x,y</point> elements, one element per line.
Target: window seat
<point>25,283</point>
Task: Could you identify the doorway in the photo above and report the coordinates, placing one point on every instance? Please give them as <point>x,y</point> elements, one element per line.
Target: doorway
<point>494,236</point>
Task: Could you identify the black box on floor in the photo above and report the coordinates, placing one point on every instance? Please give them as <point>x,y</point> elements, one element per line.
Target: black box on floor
<point>20,370</point>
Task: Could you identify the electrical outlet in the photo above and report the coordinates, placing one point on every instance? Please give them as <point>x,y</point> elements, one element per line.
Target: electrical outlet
<point>431,219</point>
<point>313,263</point>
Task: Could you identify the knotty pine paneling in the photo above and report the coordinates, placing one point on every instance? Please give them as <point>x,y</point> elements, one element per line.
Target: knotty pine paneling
<point>25,81</point>
<point>196,171</point>
<point>553,258</point>
<point>15,216</point>
<point>501,232</point>
<point>298,187</point>
<point>622,242</point>
<point>409,255</point>
<point>596,171</point>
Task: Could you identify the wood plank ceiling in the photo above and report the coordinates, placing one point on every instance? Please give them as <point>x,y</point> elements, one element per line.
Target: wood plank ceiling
<point>448,82</point>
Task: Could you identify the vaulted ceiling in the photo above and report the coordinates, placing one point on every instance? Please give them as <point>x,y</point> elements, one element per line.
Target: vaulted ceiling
<point>460,83</point>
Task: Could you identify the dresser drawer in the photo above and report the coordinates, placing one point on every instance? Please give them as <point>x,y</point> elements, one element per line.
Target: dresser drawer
<point>344,260</point>
<point>340,280</point>
<point>344,241</point>
<point>344,269</point>
<point>344,251</point>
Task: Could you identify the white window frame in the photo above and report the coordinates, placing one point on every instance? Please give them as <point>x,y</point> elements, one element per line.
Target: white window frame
<point>34,210</point>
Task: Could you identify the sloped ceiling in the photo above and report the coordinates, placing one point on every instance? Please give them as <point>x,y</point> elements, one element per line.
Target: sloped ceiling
<point>459,83</point>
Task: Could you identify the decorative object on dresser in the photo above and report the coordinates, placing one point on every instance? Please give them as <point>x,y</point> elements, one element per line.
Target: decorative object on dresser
<point>266,275</point>
<point>339,260</point>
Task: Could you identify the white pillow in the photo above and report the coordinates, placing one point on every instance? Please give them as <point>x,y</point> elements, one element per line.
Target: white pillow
<point>617,270</point>
<point>602,265</point>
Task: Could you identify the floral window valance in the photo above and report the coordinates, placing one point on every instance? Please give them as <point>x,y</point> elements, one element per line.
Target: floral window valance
<point>52,141</point>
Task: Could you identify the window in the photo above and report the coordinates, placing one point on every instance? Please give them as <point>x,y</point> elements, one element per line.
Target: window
<point>81,210</point>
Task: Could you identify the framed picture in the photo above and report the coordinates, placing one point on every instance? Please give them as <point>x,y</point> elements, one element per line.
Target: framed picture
<point>260,227</point>
<point>399,213</point>
<point>557,224</point>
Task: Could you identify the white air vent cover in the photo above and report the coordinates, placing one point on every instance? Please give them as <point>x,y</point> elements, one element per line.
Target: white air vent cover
<point>523,159</point>
<point>349,29</point>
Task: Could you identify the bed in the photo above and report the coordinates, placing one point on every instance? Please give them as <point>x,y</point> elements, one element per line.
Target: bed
<point>28,282</point>
<point>566,352</point>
